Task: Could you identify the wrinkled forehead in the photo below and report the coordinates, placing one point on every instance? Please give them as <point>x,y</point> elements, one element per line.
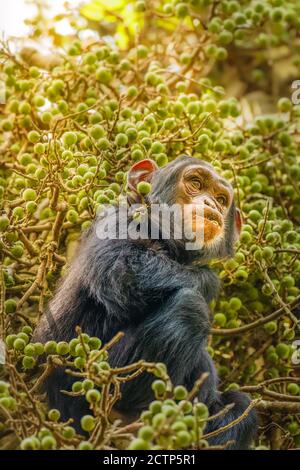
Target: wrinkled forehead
<point>205,169</point>
<point>166,179</point>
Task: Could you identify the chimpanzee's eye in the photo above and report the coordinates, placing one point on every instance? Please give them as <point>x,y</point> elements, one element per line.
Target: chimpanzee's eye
<point>196,183</point>
<point>222,200</point>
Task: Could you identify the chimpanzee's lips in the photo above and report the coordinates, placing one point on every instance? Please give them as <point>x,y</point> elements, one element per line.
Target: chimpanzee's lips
<point>213,217</point>
<point>210,220</point>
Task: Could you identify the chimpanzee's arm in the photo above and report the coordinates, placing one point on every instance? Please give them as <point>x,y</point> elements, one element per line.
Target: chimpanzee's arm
<point>176,335</point>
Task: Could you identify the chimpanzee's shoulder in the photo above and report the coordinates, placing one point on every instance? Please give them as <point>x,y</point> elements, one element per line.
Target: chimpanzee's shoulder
<point>207,280</point>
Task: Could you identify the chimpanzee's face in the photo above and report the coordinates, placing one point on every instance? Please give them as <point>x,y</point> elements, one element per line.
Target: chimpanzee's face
<point>208,208</point>
<point>209,198</point>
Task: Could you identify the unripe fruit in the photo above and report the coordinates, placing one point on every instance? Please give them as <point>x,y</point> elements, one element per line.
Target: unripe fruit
<point>29,194</point>
<point>93,396</point>
<point>221,54</point>
<point>50,347</point>
<point>132,92</point>
<point>54,415</point>
<point>19,344</point>
<point>161,159</point>
<point>271,327</point>
<point>24,107</point>
<point>79,362</point>
<point>39,349</point>
<point>18,212</point>
<point>3,387</point>
<point>62,348</point>
<point>201,411</point>
<point>142,51</point>
<point>282,350</point>
<point>159,387</point>
<point>94,343</point>
<point>69,432</point>
<point>155,407</point>
<point>72,216</point>
<point>85,445</point>
<point>180,392</point>
<point>146,433</point>
<point>121,140</point>
<point>29,350</point>
<point>103,144</point>
<point>38,101</point>
<point>293,388</point>
<point>4,223</point>
<point>235,303</point>
<point>28,362</point>
<point>284,105</point>
<point>31,207</point>
<point>140,6</point>
<point>181,10</point>
<point>17,251</point>
<point>137,154</point>
<point>183,438</point>
<point>33,137</point>
<point>241,275</point>
<point>288,281</point>
<point>97,132</point>
<point>46,117</point>
<point>139,444</point>
<point>30,443</point>
<point>48,443</point>
<point>87,384</point>
<point>220,319</point>
<point>10,340</point>
<point>144,188</point>
<point>87,423</point>
<point>103,75</point>
<point>10,306</point>
<point>69,139</point>
<point>77,387</point>
<point>90,58</point>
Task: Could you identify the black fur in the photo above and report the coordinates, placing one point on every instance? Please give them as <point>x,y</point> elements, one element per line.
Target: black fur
<point>151,291</point>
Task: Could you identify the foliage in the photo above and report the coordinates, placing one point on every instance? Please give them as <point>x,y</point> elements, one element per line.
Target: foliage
<point>152,79</point>
<point>172,420</point>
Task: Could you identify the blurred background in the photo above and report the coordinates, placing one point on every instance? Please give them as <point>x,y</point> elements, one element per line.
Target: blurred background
<point>14,12</point>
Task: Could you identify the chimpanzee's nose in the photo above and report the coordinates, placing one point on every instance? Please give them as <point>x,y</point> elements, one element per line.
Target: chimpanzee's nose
<point>209,202</point>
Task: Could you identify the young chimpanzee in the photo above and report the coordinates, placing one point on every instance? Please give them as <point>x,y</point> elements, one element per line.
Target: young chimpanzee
<point>153,292</point>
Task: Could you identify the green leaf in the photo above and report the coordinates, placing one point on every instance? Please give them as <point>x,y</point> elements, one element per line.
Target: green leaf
<point>99,9</point>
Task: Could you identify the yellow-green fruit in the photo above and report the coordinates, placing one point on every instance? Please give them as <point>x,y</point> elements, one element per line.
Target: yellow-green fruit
<point>10,306</point>
<point>144,188</point>
<point>33,137</point>
<point>88,423</point>
<point>293,388</point>
<point>4,223</point>
<point>29,194</point>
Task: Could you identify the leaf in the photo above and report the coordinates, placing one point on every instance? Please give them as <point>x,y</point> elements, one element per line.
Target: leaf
<point>92,12</point>
<point>99,9</point>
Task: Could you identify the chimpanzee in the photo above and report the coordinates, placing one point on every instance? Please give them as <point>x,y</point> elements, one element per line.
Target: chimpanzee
<point>155,293</point>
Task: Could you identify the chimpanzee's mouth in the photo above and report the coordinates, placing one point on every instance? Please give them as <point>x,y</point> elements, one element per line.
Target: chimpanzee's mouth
<point>210,217</point>
<point>213,217</point>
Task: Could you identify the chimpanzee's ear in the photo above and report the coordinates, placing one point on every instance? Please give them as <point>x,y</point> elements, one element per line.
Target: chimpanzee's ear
<point>140,171</point>
<point>238,220</point>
